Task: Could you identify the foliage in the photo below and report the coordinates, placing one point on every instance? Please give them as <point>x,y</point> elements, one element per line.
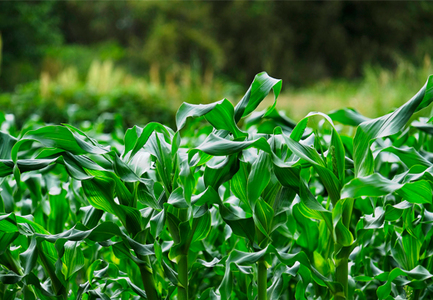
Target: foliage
<point>248,205</point>
<point>300,43</point>
<point>71,98</point>
<point>27,30</point>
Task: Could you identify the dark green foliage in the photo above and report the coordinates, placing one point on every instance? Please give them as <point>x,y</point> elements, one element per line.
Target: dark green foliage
<point>78,104</point>
<point>27,29</point>
<point>299,43</point>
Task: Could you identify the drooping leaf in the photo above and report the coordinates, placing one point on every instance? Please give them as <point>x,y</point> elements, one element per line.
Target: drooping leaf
<point>385,126</point>
<point>220,114</point>
<point>259,89</point>
<point>376,185</point>
<point>58,137</point>
<point>347,116</point>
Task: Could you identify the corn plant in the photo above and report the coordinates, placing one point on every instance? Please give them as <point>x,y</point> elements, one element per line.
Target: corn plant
<point>234,204</point>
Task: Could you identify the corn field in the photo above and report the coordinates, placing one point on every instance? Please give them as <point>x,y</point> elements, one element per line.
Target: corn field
<point>234,204</point>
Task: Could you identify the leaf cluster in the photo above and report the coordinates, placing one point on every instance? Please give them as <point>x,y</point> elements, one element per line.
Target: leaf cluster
<point>249,205</point>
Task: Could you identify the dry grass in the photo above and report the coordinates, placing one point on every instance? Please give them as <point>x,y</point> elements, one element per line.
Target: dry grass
<point>377,93</point>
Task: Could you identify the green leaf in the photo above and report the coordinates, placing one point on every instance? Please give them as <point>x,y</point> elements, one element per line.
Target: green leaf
<point>241,225</point>
<point>177,199</point>
<point>337,156</point>
<point>321,264</point>
<point>101,233</point>
<point>263,216</point>
<point>308,232</point>
<point>145,194</point>
<point>222,118</point>
<point>419,273</point>
<point>157,223</point>
<point>73,258</point>
<point>331,179</point>
<point>376,185</point>
<point>123,170</point>
<point>7,142</point>
<point>202,227</point>
<point>267,124</point>
<point>223,171</point>
<point>137,137</point>
<point>58,137</point>
<point>48,260</point>
<point>409,156</point>
<point>259,177</point>
<point>159,148</point>
<point>386,125</point>
<point>411,246</point>
<point>288,176</point>
<point>220,114</point>
<point>305,152</point>
<point>59,213</point>
<point>259,89</point>
<point>217,146</point>
<point>209,197</point>
<point>29,257</point>
<point>74,169</point>
<point>342,235</point>
<point>100,193</point>
<point>348,116</point>
<point>173,224</point>
<point>416,192</point>
<point>8,223</point>
<point>240,258</point>
<point>91,216</point>
<point>239,182</point>
<point>23,165</point>
<point>170,273</point>
<point>90,272</point>
<point>6,239</point>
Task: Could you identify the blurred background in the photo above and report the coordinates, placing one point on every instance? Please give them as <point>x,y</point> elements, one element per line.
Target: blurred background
<point>70,61</point>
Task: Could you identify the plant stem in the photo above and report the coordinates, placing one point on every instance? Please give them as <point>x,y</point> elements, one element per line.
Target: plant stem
<point>182,293</point>
<point>147,278</point>
<point>342,261</point>
<point>262,280</point>
<point>342,276</point>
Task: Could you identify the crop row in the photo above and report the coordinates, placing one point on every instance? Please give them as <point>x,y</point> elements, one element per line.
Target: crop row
<point>249,205</point>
